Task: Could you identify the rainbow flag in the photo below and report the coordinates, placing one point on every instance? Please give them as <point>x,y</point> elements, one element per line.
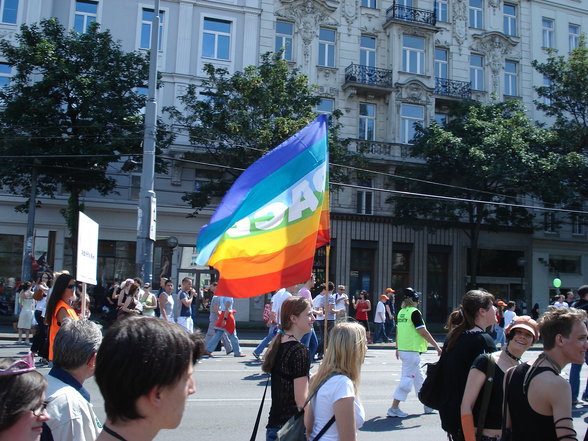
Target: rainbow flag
<point>264,233</point>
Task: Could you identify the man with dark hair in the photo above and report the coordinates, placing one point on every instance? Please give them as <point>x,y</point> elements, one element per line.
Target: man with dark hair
<point>185,297</point>
<point>144,372</point>
<point>581,303</point>
<point>74,359</point>
<point>539,400</point>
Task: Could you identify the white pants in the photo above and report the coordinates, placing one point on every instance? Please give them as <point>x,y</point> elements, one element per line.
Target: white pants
<point>411,375</point>
<point>186,323</point>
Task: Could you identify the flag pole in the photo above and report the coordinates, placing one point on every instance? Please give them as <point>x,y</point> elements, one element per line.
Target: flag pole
<point>325,333</point>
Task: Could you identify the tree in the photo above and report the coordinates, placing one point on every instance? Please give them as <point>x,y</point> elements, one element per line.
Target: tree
<point>565,97</point>
<point>73,106</point>
<point>488,153</point>
<point>236,119</point>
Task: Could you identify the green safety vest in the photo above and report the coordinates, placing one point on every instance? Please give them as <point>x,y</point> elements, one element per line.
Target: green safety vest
<point>407,337</point>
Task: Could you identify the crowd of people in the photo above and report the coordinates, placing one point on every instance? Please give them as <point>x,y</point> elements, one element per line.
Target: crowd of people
<point>480,384</point>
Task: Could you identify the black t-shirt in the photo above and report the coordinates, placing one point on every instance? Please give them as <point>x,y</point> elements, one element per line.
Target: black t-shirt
<point>292,361</point>
<point>456,366</point>
<point>494,414</point>
<point>417,318</point>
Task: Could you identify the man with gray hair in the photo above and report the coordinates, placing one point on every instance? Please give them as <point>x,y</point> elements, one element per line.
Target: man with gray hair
<point>74,360</point>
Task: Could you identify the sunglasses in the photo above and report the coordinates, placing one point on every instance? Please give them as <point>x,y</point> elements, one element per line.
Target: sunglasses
<point>71,286</point>
<point>25,364</point>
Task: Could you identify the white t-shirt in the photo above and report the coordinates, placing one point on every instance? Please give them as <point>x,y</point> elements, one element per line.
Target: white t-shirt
<point>340,303</point>
<point>561,304</point>
<point>334,389</point>
<point>508,317</point>
<point>319,303</point>
<point>380,316</point>
<point>277,301</point>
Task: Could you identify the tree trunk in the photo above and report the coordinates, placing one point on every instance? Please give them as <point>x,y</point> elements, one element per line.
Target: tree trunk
<point>71,218</point>
<point>475,228</point>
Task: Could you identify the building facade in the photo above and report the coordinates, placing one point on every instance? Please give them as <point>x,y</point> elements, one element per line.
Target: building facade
<point>386,65</point>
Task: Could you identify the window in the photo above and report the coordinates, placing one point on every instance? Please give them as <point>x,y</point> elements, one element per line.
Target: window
<point>86,13</point>
<point>135,187</point>
<point>477,72</point>
<point>410,116</point>
<point>549,222</point>
<point>510,19</point>
<point>441,8</point>
<point>441,63</point>
<point>326,105</point>
<point>368,3</point>
<point>367,122</point>
<point>566,264</point>
<point>365,198</point>
<point>404,11</point>
<point>574,36</point>
<point>216,39</point>
<point>577,224</point>
<point>284,33</point>
<point>413,54</point>
<point>146,21</point>
<point>5,74</point>
<point>367,51</point>
<point>326,47</point>
<point>547,83</point>
<point>510,78</point>
<point>9,11</point>
<point>548,32</point>
<point>476,14</point>
<point>441,119</point>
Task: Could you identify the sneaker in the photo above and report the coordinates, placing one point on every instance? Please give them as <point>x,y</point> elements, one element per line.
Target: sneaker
<point>429,409</point>
<point>392,412</point>
<point>257,357</point>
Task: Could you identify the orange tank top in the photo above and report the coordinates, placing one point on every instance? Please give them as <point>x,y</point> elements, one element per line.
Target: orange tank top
<point>54,327</point>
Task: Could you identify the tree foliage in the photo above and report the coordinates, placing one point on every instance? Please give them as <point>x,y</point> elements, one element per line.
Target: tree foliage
<point>566,97</point>
<point>488,153</point>
<point>73,105</point>
<point>235,119</point>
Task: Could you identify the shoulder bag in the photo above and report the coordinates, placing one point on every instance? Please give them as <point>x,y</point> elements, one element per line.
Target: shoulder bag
<point>487,392</point>
<point>431,393</point>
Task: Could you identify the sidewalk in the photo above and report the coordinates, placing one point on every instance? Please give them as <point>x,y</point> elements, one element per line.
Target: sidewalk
<point>251,338</point>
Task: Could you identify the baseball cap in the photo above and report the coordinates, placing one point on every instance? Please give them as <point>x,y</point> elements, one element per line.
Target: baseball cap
<point>384,297</point>
<point>524,322</point>
<point>501,303</point>
<point>390,290</point>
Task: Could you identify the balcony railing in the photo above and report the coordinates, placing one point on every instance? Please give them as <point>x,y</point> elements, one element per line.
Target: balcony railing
<point>413,15</point>
<point>373,76</point>
<point>383,150</point>
<point>453,88</point>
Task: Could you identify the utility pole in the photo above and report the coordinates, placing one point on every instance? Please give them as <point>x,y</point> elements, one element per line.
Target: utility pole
<point>147,208</point>
<point>27,255</point>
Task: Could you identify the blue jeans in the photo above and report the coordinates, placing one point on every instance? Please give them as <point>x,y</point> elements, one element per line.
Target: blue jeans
<point>271,434</point>
<point>500,337</point>
<point>311,343</point>
<point>575,379</point>
<point>379,334</point>
<point>266,341</point>
<point>216,338</point>
<point>389,328</point>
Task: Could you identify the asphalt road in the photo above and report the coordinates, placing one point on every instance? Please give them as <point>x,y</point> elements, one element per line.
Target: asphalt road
<point>229,391</point>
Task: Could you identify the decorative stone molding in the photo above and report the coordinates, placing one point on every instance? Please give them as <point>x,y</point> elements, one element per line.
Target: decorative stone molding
<point>460,23</point>
<point>413,91</point>
<point>495,46</point>
<point>308,15</point>
<point>350,10</point>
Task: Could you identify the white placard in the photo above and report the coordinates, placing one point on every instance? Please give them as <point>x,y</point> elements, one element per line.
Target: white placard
<point>87,249</point>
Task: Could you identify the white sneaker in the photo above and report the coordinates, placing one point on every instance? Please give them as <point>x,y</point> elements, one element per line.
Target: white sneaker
<point>429,409</point>
<point>392,412</point>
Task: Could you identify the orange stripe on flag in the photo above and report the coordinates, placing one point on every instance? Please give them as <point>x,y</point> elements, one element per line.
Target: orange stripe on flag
<point>267,263</point>
<point>265,283</point>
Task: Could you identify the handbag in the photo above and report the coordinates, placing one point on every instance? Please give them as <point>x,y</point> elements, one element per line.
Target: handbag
<point>431,393</point>
<point>226,322</point>
<point>294,429</point>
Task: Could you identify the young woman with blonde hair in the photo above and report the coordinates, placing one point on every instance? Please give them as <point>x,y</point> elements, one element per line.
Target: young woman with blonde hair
<point>336,383</point>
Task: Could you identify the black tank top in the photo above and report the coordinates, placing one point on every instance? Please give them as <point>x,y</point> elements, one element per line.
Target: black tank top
<point>526,423</point>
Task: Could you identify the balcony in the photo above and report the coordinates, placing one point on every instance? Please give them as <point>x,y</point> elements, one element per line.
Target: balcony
<point>453,88</point>
<point>382,151</point>
<point>368,78</point>
<point>412,15</point>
